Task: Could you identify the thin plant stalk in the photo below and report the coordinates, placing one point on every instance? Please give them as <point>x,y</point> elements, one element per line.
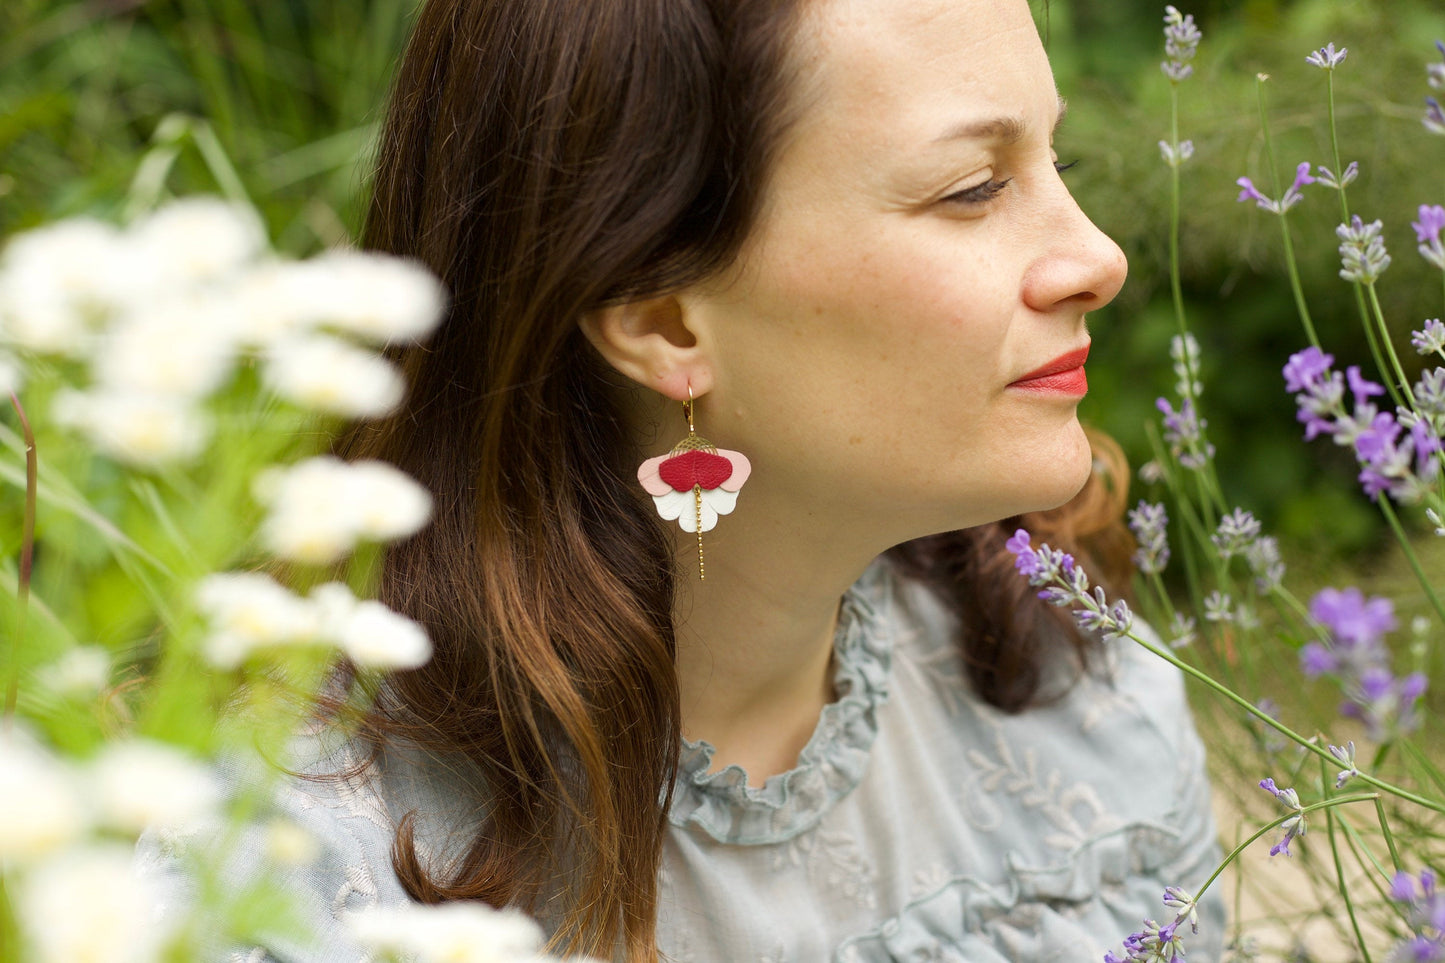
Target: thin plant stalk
<point>1410,557</point>
<point>1296,287</point>
<point>1274,824</point>
<point>1389,836</point>
<point>1308,744</point>
<point>1360,305</point>
<point>27,561</point>
<point>1343,887</point>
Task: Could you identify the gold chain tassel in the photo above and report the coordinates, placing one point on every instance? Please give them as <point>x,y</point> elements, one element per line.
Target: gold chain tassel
<point>697,500</point>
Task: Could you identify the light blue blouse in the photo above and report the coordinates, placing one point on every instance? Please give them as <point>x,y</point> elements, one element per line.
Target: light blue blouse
<point>919,825</point>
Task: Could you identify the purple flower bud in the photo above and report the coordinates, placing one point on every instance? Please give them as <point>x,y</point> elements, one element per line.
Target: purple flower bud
<point>1351,618</point>
<point>1430,224</point>
<point>1316,660</point>
<point>1361,388</point>
<point>1248,192</point>
<point>1305,368</point>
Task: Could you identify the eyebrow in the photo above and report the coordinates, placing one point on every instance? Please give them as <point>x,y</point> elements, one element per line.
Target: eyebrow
<point>1009,130</point>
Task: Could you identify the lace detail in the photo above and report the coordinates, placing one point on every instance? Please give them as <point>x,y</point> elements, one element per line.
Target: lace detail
<point>724,806</point>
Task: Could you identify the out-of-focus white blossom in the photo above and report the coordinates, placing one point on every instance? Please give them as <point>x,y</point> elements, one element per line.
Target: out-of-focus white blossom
<point>139,429</point>
<point>375,637</point>
<point>249,611</point>
<point>140,783</point>
<point>12,375</point>
<point>370,634</point>
<point>183,345</point>
<point>196,240</point>
<point>450,933</point>
<point>273,301</point>
<point>40,810</point>
<point>320,507</point>
<point>81,672</point>
<point>58,281</point>
<point>287,844</point>
<point>330,375</point>
<point>373,296</point>
<point>90,906</point>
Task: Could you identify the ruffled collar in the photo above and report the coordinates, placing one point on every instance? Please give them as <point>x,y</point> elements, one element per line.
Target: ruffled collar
<point>724,806</point>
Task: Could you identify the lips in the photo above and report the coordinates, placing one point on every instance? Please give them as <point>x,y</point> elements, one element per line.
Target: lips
<point>1065,375</point>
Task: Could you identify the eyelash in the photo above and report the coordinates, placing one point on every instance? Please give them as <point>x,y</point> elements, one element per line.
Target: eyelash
<point>990,189</point>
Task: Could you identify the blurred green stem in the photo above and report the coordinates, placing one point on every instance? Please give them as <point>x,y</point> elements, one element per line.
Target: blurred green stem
<point>1340,866</point>
<point>1176,286</point>
<point>1389,836</point>
<point>1378,313</point>
<point>1296,287</point>
<point>1339,172</point>
<point>27,560</point>
<point>1414,560</point>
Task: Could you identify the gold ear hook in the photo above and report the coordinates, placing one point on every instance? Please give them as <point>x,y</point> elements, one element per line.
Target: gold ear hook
<point>687,409</point>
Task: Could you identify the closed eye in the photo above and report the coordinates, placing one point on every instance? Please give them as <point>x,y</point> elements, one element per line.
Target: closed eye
<point>979,193</point>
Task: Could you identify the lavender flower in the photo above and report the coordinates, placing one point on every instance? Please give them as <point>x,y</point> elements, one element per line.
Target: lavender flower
<point>1346,755</point>
<point>1062,583</point>
<point>1435,73</point>
<point>1427,234</point>
<point>1362,251</point>
<point>1351,618</point>
<point>1237,531</point>
<point>1430,393</point>
<point>1326,58</point>
<point>1176,155</point>
<point>1295,825</point>
<point>1397,453</point>
<point>1148,523</point>
<point>1181,42</point>
<point>1425,911</point>
<point>1183,906</point>
<point>1187,358</point>
<point>1292,195</point>
<point>1327,178</point>
<point>1218,607</point>
<point>1152,944</point>
<point>1429,338</point>
<point>1434,119</point>
<point>1184,431</point>
<point>1181,631</point>
<point>1265,562</point>
<point>1355,655</point>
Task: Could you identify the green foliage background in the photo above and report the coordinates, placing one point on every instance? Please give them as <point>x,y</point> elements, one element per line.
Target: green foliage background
<point>293,89</point>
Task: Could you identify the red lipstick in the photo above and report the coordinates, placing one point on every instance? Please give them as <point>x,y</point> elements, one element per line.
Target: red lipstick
<point>1063,375</point>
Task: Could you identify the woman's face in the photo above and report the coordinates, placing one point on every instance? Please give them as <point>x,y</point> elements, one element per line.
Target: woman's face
<point>916,256</point>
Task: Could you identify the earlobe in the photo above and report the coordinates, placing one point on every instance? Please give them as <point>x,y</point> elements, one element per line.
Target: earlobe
<point>650,342</point>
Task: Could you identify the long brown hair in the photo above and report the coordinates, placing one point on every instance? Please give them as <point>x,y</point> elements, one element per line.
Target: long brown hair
<point>545,158</point>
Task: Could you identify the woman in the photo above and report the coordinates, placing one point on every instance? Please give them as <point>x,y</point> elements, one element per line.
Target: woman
<point>837,226</point>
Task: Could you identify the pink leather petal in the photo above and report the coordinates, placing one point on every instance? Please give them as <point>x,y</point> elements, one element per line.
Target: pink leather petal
<point>652,482</point>
<point>742,468</point>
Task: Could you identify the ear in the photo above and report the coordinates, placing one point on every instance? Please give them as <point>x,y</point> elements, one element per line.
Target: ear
<point>652,343</point>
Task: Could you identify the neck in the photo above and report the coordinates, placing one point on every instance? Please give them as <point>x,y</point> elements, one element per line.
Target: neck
<point>755,638</point>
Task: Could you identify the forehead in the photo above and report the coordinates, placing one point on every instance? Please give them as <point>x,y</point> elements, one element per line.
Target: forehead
<point>902,73</point>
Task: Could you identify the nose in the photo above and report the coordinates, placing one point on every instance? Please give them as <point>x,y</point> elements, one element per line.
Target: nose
<point>1079,265</point>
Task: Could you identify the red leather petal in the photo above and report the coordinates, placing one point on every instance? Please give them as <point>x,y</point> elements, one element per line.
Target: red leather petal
<point>702,469</point>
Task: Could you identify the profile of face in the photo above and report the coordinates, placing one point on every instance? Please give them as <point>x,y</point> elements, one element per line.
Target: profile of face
<point>917,254</point>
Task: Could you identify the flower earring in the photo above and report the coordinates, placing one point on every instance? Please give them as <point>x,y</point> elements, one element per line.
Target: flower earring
<point>695,482</point>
